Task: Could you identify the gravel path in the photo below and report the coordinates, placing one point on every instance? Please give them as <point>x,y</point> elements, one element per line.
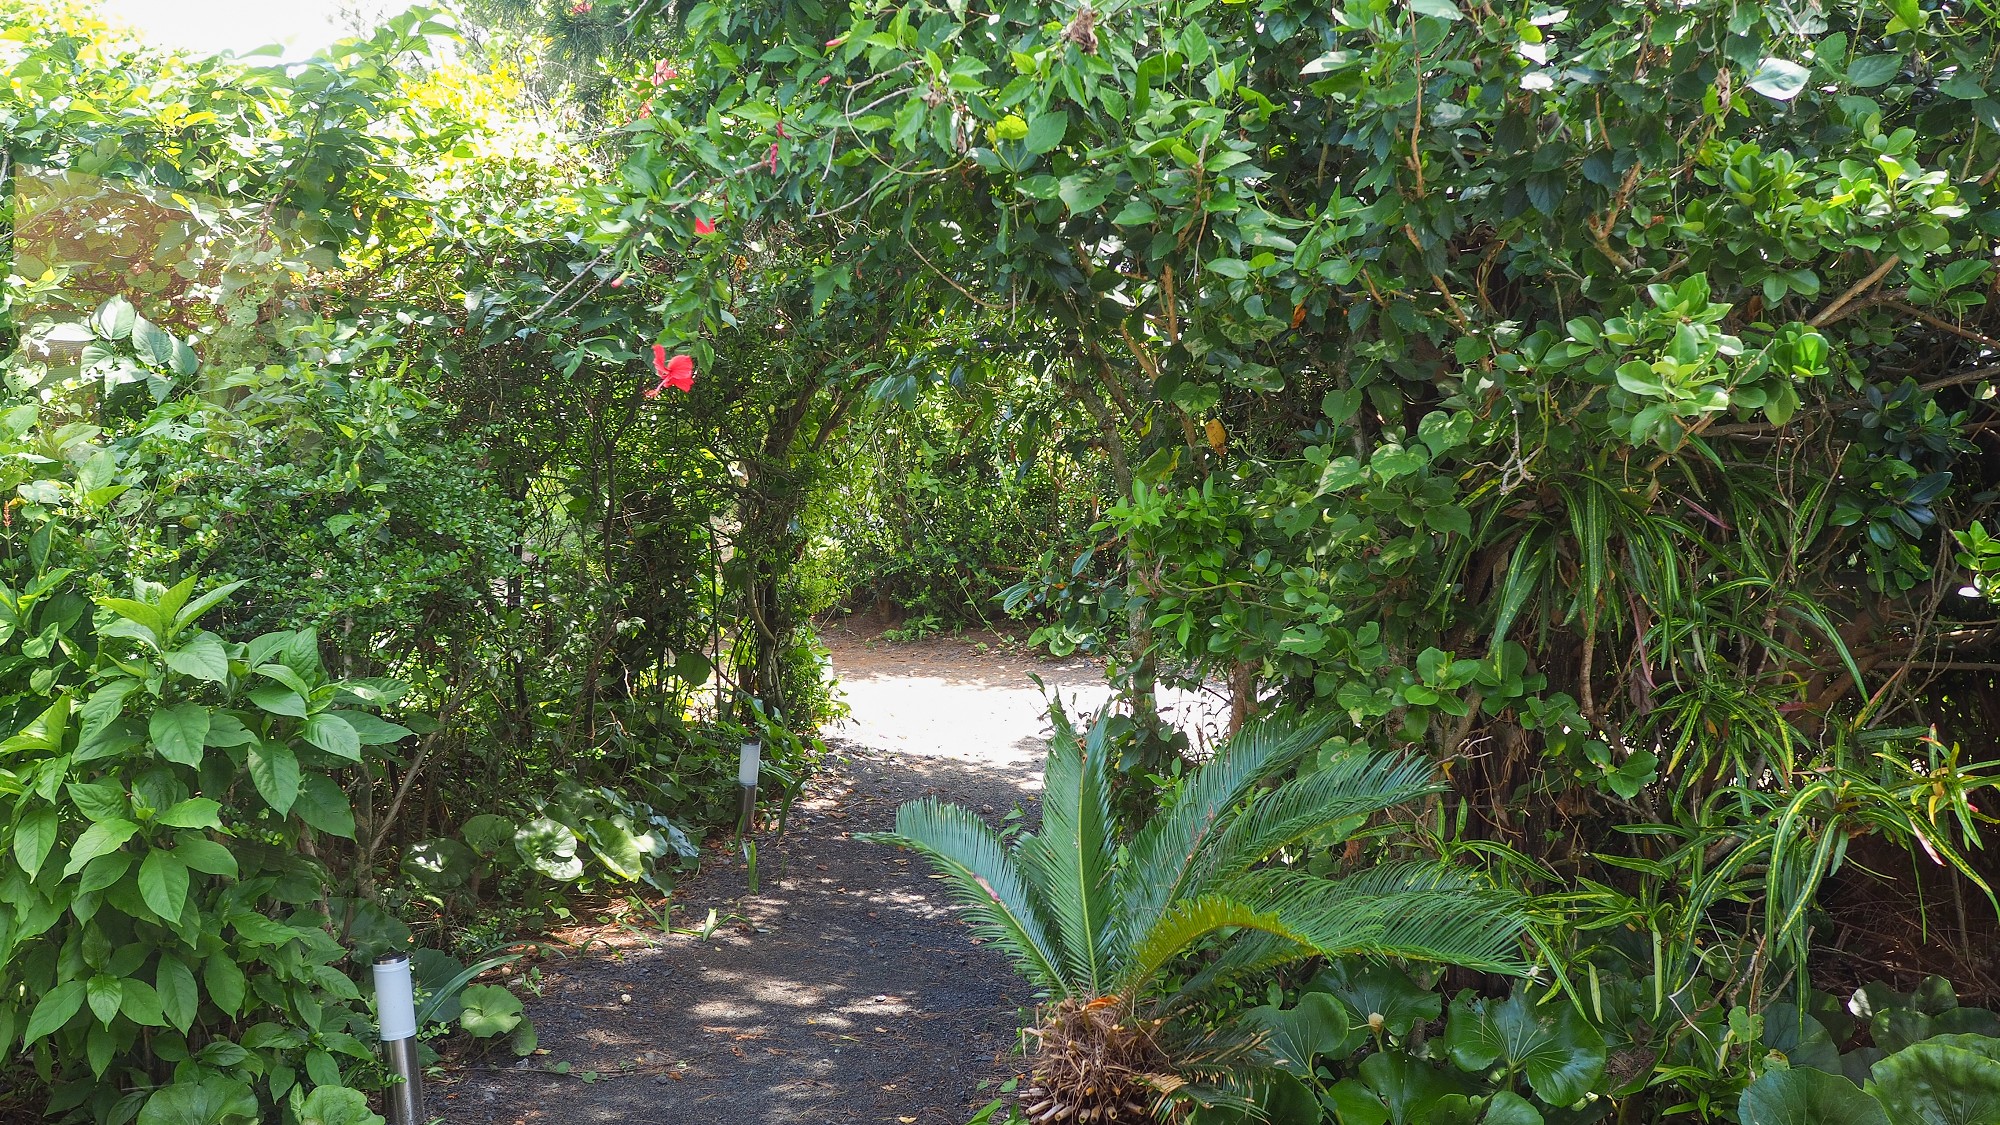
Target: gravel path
<point>845,989</point>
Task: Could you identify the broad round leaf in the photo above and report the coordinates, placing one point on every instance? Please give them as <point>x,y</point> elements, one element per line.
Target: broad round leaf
<point>1938,1082</point>
<point>1561,1055</point>
<point>1805,1096</point>
<point>489,1010</point>
<point>1319,1026</point>
<point>1373,990</point>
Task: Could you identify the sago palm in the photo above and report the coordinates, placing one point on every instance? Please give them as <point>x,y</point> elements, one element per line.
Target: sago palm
<point>1094,920</point>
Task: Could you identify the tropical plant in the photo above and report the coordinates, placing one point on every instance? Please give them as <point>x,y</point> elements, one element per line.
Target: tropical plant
<point>1100,924</point>
<point>171,934</point>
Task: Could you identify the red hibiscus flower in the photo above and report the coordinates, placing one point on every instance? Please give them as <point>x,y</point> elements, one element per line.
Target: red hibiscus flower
<point>677,372</point>
<point>772,159</point>
<point>703,226</point>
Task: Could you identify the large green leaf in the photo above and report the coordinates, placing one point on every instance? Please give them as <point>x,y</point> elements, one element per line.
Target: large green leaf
<point>34,837</point>
<point>1409,1088</point>
<point>614,846</point>
<point>102,838</point>
<point>163,884</point>
<point>489,1010</point>
<point>549,847</point>
<point>1319,1026</point>
<point>337,1105</point>
<point>53,1010</point>
<point>214,1100</point>
<point>274,770</point>
<point>1805,1096</point>
<point>178,732</point>
<point>1560,1054</point>
<point>201,657</point>
<point>1380,990</point>
<point>1948,1080</point>
<point>180,998</point>
<point>334,735</point>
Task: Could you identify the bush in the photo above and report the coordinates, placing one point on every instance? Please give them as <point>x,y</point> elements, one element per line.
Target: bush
<point>171,939</point>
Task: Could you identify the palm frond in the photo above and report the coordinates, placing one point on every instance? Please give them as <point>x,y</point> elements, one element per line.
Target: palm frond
<point>1248,954</point>
<point>1418,911</point>
<point>1163,857</point>
<point>1185,923</point>
<point>999,902</point>
<point>1070,859</point>
<point>1352,785</point>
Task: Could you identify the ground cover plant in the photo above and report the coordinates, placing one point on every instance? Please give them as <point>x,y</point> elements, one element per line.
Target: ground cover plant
<point>1559,430</point>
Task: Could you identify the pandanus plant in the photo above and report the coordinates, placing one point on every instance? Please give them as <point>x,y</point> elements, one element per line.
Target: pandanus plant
<point>1101,921</point>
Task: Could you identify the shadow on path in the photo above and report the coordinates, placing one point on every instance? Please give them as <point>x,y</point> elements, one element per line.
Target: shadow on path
<point>845,990</point>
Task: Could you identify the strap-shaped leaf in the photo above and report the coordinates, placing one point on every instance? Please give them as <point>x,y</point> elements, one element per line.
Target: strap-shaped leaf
<point>985,880</point>
<point>1070,859</point>
<point>1187,922</point>
<point>1166,856</point>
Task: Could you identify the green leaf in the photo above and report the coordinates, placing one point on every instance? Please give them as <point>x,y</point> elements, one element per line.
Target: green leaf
<point>332,734</point>
<point>203,658</point>
<point>1940,1081</point>
<point>1561,1055</point>
<point>34,838</point>
<point>279,700</point>
<point>1082,192</point>
<point>274,770</point>
<point>1437,9</point>
<point>206,856</point>
<point>549,847</point>
<point>1779,79</point>
<point>105,992</point>
<point>54,1010</point>
<point>195,812</point>
<point>225,983</point>
<point>1804,1096</point>
<point>489,1010</point>
<point>1510,1108</point>
<point>141,1004</point>
<point>261,930</point>
<point>214,1100</point>
<point>114,319</point>
<point>1868,71</point>
<point>1046,131</point>
<point>324,806</point>
<point>154,344</point>
<point>371,730</point>
<point>178,732</point>
<point>102,838</point>
<point>189,613</point>
<point>163,884</point>
<point>1318,1026</point>
<point>1963,86</point>
<point>337,1105</point>
<point>180,1000</point>
<point>614,847</point>
<point>1372,990</point>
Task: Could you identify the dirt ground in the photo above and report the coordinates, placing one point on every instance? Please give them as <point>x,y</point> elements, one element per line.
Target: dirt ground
<point>844,989</point>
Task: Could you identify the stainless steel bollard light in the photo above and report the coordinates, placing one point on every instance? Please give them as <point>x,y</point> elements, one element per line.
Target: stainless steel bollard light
<point>749,760</point>
<point>396,1009</point>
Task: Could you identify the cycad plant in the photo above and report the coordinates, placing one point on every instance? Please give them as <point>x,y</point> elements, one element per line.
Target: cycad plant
<point>1099,920</point>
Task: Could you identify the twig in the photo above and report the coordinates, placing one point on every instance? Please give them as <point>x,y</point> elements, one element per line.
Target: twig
<point>1833,310</point>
